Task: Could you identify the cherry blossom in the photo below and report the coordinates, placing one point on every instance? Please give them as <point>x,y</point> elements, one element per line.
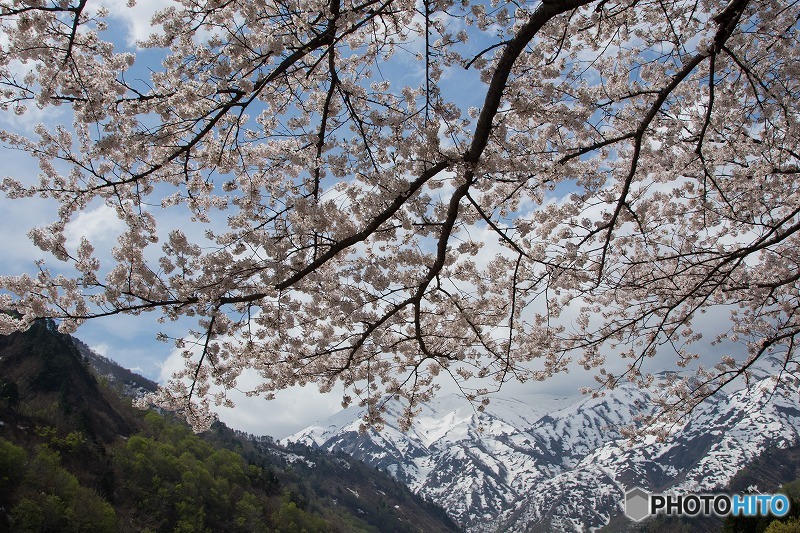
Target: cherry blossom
<point>383,193</point>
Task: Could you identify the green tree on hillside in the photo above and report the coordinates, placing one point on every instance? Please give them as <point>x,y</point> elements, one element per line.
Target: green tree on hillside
<point>49,498</point>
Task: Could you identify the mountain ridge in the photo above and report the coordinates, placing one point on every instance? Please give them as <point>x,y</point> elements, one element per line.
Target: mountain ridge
<point>569,468</point>
<point>74,452</point>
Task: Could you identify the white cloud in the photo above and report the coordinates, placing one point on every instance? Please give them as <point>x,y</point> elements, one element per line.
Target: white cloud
<point>101,349</point>
<point>137,18</point>
<point>292,409</point>
<point>99,225</point>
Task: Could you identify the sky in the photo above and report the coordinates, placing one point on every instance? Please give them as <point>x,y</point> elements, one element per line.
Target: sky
<point>131,340</point>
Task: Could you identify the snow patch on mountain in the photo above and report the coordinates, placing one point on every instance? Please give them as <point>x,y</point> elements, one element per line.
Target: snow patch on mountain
<point>548,463</point>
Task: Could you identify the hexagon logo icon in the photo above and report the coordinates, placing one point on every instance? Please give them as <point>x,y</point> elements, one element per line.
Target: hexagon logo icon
<point>637,504</point>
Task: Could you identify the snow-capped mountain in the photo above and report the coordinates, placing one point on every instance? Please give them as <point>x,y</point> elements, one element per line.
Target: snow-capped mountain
<point>721,437</point>
<point>545,463</point>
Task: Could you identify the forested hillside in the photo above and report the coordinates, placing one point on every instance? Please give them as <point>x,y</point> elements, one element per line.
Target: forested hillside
<point>75,456</point>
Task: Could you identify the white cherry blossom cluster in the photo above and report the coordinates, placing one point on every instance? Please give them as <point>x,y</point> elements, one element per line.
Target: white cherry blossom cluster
<point>388,192</point>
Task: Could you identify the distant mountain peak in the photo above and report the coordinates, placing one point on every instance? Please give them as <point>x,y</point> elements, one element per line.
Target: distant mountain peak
<point>539,462</point>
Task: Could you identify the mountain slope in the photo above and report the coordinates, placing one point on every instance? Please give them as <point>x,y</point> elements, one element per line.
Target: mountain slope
<point>76,456</point>
<point>547,464</point>
<point>722,436</point>
<point>54,382</point>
